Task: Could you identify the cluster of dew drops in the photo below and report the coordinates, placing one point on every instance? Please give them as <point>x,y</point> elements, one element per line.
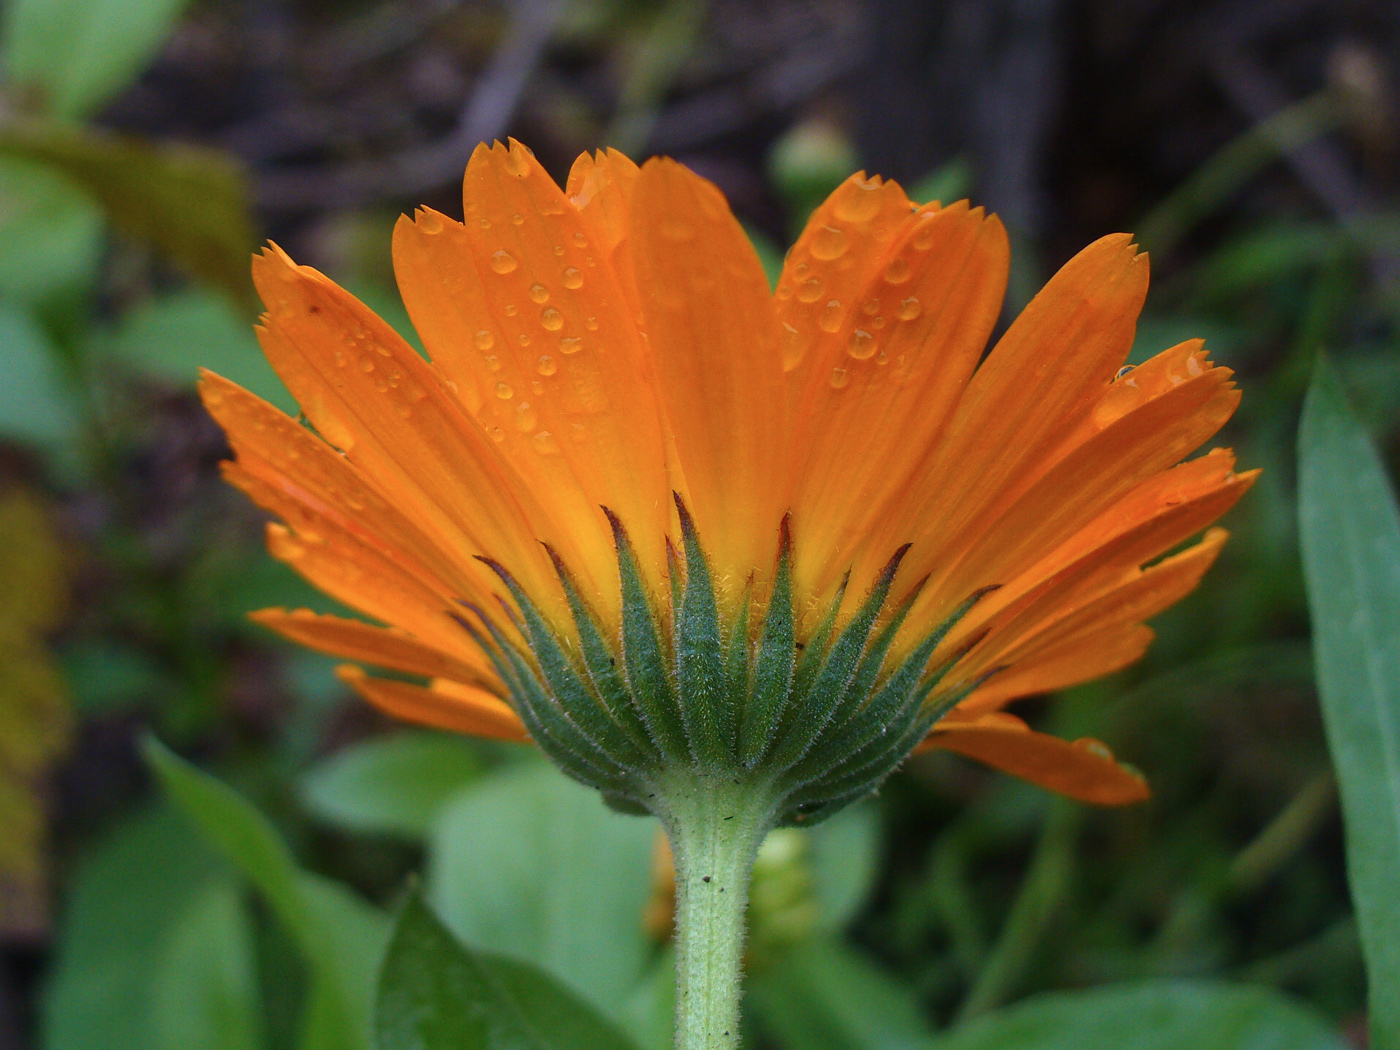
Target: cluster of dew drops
<point>829,244</point>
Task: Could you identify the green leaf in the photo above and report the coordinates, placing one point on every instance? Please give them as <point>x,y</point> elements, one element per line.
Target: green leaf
<point>946,184</point>
<point>819,995</point>
<point>1157,1015</point>
<point>206,995</point>
<point>394,785</point>
<point>78,54</point>
<point>1350,534</point>
<point>120,905</point>
<point>436,994</point>
<point>845,861</point>
<point>34,402</point>
<point>174,336</point>
<point>50,233</point>
<point>340,936</point>
<point>186,201</point>
<point>536,866</point>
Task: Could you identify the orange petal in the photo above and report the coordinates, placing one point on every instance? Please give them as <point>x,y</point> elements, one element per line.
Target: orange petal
<point>445,705</point>
<point>1078,660</point>
<point>525,317</point>
<point>1083,770</point>
<point>1033,390</point>
<point>600,187</point>
<point>384,647</point>
<point>710,324</point>
<point>371,395</point>
<point>921,306</point>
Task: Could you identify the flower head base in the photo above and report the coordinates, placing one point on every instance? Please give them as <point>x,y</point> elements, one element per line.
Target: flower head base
<point>665,523</point>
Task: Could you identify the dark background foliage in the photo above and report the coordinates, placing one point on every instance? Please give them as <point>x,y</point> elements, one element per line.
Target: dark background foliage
<point>1252,146</point>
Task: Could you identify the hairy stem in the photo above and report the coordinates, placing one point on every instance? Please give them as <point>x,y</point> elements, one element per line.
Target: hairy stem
<point>716,826</point>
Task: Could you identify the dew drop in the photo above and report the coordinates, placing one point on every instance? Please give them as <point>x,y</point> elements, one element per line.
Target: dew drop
<point>862,345</point>
<point>581,240</point>
<point>871,307</point>
<point>1193,365</point>
<point>497,434</point>
<point>839,378</point>
<point>494,364</point>
<point>572,278</point>
<point>366,364</point>
<point>512,309</point>
<point>502,261</point>
<point>558,249</point>
<point>485,223</point>
<point>858,201</point>
<point>523,339</point>
<point>546,366</point>
<point>552,319</point>
<point>909,309</point>
<point>430,222</point>
<point>545,444</point>
<point>1123,371</point>
<point>1117,401</point>
<point>591,323</point>
<point>792,347</point>
<point>504,392</point>
<point>484,340</point>
<point>526,418</point>
<point>784,292</point>
<point>800,270</point>
<point>828,243</point>
<point>537,386</point>
<point>810,290</point>
<point>539,293</point>
<point>830,317</point>
<point>517,219</point>
<point>897,272</point>
<point>570,344</point>
<point>923,236</point>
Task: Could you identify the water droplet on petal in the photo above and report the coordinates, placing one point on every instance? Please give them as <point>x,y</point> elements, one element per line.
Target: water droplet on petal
<point>923,236</point>
<point>828,243</point>
<point>897,272</point>
<point>518,219</point>
<point>909,309</point>
<point>572,278</point>
<point>839,378</point>
<point>523,339</point>
<point>829,319</point>
<point>1117,401</point>
<point>552,319</point>
<point>570,344</point>
<point>512,309</point>
<point>545,444</point>
<point>591,323</point>
<point>539,293</point>
<point>862,345</point>
<point>497,434</point>
<point>526,418</point>
<point>484,340</point>
<point>546,366</point>
<point>1193,365</point>
<point>810,290</point>
<point>784,292</point>
<point>581,240</point>
<point>1123,371</point>
<point>485,223</point>
<point>858,201</point>
<point>366,364</point>
<point>502,261</point>
<point>558,249</point>
<point>792,345</point>
<point>504,392</point>
<point>430,222</point>
<point>800,270</point>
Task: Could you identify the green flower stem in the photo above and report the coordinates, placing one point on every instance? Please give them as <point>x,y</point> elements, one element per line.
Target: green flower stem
<point>716,826</point>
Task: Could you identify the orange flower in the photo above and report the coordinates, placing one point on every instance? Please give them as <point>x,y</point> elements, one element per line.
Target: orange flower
<point>610,344</point>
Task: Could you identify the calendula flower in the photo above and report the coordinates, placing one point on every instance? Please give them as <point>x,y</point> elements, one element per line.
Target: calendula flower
<point>725,554</point>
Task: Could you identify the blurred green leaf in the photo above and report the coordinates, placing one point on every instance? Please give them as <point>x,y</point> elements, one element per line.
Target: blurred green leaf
<point>107,677</point>
<point>121,902</point>
<point>34,402</point>
<point>1159,1015</point>
<point>187,201</point>
<point>340,936</point>
<point>1350,533</point>
<point>534,865</point>
<point>435,994</point>
<point>393,785</point>
<point>952,182</point>
<point>769,254</point>
<point>845,861</point>
<point>174,336</point>
<point>820,995</point>
<point>50,233</point>
<point>80,53</point>
<point>206,983</point>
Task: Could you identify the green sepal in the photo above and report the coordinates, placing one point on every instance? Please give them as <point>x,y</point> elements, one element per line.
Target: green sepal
<point>647,673</point>
<point>708,718</point>
<point>548,725</point>
<point>812,711</point>
<point>776,658</point>
<point>738,657</point>
<point>569,690</point>
<point>601,663</point>
<point>814,651</point>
